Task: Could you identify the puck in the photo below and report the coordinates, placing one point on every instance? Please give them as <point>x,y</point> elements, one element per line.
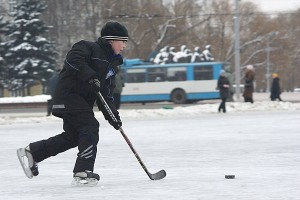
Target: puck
<point>229,176</point>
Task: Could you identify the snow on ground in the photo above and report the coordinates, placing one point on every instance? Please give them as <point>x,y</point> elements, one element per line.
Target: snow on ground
<point>27,99</point>
<point>196,145</point>
<point>292,102</point>
<point>287,96</point>
<point>260,148</point>
<point>165,112</point>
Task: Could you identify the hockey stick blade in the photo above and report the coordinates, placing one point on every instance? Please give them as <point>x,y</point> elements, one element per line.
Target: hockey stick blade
<point>159,175</point>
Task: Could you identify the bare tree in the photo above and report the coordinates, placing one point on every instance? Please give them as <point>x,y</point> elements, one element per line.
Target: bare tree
<point>155,24</point>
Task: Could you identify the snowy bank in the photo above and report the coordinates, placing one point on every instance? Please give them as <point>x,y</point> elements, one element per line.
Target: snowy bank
<point>232,107</point>
<point>286,96</point>
<point>166,112</point>
<point>27,99</point>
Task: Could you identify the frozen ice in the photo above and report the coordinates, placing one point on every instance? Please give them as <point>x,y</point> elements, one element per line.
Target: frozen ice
<point>196,145</point>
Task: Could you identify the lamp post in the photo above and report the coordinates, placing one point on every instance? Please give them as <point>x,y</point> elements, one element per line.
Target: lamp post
<point>237,50</point>
<point>268,49</point>
<point>268,66</point>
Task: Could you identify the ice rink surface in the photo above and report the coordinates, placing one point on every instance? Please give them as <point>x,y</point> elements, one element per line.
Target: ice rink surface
<point>261,148</point>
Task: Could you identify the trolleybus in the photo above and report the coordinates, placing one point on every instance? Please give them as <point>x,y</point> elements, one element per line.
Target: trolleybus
<point>175,82</point>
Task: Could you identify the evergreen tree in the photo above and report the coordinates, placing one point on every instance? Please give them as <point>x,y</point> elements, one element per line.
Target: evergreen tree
<point>30,56</point>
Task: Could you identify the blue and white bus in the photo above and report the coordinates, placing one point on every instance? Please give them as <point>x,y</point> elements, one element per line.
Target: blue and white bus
<point>175,82</point>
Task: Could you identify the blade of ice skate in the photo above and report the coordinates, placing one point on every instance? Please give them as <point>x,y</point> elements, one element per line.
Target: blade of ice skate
<point>21,155</point>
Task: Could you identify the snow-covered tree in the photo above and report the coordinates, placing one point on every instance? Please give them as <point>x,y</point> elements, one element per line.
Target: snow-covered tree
<point>30,56</point>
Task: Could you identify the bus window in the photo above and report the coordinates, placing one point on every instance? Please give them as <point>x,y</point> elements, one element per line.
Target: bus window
<point>135,75</point>
<point>156,74</point>
<point>203,72</point>
<point>177,74</point>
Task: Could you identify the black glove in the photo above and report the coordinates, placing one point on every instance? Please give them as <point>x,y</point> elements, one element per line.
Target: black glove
<point>95,83</point>
<point>116,124</point>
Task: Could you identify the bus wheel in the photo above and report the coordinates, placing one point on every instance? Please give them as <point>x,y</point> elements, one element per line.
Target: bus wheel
<point>178,96</point>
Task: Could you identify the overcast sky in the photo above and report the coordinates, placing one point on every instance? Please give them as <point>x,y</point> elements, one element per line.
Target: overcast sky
<point>277,5</point>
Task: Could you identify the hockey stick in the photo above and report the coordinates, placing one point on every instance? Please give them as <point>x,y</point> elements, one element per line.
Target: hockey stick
<point>158,175</point>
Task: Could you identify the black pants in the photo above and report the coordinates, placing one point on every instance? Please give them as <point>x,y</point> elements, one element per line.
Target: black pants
<point>222,105</point>
<point>274,98</point>
<point>80,129</point>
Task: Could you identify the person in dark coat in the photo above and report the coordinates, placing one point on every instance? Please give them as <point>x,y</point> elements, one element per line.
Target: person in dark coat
<point>118,90</point>
<point>223,86</point>
<point>249,84</point>
<point>50,90</point>
<point>229,76</point>
<point>89,68</point>
<point>275,88</point>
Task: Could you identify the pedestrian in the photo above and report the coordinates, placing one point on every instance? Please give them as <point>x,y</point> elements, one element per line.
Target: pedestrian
<point>50,90</point>
<point>275,88</point>
<point>223,86</point>
<point>89,68</point>
<point>229,76</point>
<point>119,84</point>
<point>249,84</point>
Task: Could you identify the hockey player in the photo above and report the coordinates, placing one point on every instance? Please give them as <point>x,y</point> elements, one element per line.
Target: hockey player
<point>89,67</point>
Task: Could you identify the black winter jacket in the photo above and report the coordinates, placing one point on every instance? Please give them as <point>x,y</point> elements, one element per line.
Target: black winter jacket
<point>84,61</point>
<point>275,88</point>
<point>224,91</point>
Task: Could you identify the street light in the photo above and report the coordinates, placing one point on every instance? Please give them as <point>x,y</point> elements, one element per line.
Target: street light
<point>237,50</point>
<point>268,49</point>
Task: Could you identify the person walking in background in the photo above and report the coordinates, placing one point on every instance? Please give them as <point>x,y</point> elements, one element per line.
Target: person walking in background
<point>119,83</point>
<point>275,88</point>
<point>249,84</point>
<point>229,76</point>
<point>223,86</point>
<point>50,90</point>
<point>89,68</point>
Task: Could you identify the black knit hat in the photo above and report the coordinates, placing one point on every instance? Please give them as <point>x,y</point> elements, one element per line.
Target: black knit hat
<point>113,30</point>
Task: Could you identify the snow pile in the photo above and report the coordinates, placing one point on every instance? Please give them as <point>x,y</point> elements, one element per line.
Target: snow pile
<point>27,99</point>
<point>165,112</point>
<point>263,106</point>
<point>232,107</point>
<point>142,114</point>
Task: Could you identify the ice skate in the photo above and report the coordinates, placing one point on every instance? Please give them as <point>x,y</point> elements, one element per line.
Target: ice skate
<point>86,178</point>
<point>30,167</point>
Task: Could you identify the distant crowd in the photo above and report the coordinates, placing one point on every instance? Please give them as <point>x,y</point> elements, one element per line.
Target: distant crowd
<point>184,55</point>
